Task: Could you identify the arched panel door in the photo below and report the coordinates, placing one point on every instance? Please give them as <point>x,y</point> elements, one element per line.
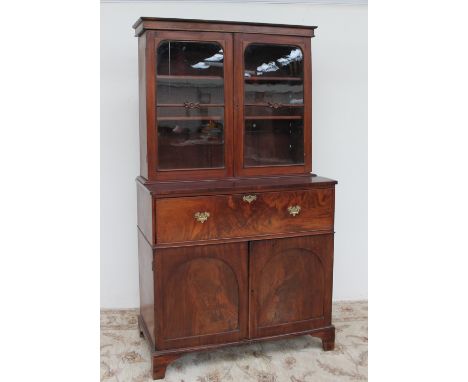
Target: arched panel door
<point>291,283</point>
<point>203,295</point>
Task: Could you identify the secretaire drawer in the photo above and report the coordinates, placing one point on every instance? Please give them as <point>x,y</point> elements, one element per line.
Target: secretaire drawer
<point>240,215</point>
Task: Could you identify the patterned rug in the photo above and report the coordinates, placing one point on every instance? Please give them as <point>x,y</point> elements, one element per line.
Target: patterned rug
<point>125,357</point>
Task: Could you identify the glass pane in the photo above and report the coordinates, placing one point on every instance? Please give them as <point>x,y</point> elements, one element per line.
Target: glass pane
<point>273,105</point>
<point>273,110</point>
<point>273,142</point>
<point>269,60</point>
<point>207,113</point>
<point>172,90</point>
<point>190,105</point>
<point>190,58</point>
<point>190,143</point>
<point>275,91</point>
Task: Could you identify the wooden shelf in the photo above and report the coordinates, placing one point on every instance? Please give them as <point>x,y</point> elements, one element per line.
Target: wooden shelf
<point>197,144</point>
<point>282,105</point>
<point>262,78</point>
<point>194,118</point>
<point>167,77</point>
<point>278,117</point>
<point>202,105</point>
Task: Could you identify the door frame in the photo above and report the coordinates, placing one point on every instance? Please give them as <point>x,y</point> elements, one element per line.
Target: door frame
<point>226,42</point>
<point>241,41</point>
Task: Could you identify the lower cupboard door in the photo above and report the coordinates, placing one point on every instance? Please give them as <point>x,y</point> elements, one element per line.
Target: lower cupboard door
<point>201,295</point>
<point>290,285</point>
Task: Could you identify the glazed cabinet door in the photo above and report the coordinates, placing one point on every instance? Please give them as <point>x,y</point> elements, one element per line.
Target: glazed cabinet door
<point>192,108</point>
<point>273,104</point>
<point>202,295</point>
<point>290,285</point>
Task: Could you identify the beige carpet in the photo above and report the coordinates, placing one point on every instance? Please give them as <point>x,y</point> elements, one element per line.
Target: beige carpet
<point>125,357</point>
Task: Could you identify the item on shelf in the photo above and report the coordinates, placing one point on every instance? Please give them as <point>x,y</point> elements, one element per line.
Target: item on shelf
<point>200,65</point>
<point>295,55</point>
<point>266,68</point>
<point>177,129</point>
<point>217,57</point>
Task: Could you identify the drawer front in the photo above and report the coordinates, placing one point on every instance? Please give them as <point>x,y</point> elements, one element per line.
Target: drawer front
<point>243,215</point>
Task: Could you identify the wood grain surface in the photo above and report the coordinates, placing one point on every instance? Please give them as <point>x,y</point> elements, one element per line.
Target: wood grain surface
<point>232,217</point>
<point>203,295</point>
<point>290,284</point>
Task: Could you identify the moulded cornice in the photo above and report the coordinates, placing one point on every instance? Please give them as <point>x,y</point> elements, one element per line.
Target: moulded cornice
<point>312,2</point>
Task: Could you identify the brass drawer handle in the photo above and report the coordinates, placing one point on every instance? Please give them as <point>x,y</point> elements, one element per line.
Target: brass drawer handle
<point>249,198</point>
<point>294,210</point>
<point>201,216</point>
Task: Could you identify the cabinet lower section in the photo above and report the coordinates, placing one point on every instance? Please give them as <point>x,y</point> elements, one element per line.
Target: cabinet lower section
<point>205,296</point>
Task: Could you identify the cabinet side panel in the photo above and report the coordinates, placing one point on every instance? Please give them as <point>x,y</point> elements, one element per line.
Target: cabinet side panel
<point>142,103</point>
<point>145,263</point>
<point>145,212</point>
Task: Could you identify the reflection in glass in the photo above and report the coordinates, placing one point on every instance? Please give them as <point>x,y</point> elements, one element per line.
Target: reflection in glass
<point>190,143</point>
<point>273,142</point>
<point>273,110</point>
<point>284,92</point>
<point>273,60</point>
<point>189,58</point>
<point>273,105</point>
<point>190,105</point>
<point>179,90</point>
<point>191,111</point>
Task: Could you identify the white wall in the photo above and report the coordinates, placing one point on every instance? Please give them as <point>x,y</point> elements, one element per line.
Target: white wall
<point>339,60</point>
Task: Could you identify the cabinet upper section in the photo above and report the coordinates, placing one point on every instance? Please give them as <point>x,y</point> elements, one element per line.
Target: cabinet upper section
<point>216,102</point>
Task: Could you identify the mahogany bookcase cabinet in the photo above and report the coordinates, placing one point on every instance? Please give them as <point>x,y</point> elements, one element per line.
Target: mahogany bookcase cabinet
<point>235,232</point>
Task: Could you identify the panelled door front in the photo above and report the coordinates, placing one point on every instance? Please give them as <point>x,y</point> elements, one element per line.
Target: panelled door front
<point>290,284</point>
<point>272,104</point>
<point>203,295</point>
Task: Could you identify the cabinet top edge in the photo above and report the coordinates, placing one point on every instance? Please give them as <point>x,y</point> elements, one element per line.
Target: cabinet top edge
<point>234,185</point>
<point>161,23</point>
